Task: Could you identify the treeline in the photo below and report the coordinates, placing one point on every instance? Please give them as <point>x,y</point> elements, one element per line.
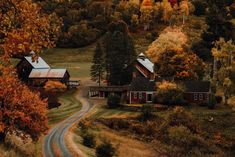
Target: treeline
<point>84,21</point>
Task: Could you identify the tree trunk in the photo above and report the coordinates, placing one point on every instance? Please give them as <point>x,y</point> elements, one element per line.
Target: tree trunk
<point>215,68</point>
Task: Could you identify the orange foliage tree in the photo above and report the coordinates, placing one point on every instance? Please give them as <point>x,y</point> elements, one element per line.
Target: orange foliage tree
<point>23,28</point>
<point>21,110</point>
<point>180,65</point>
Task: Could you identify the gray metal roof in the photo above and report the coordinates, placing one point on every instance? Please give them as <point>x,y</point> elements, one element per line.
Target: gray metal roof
<point>142,59</point>
<point>47,73</point>
<point>38,64</point>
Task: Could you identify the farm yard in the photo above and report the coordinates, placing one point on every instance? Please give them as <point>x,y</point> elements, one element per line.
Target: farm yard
<point>114,78</point>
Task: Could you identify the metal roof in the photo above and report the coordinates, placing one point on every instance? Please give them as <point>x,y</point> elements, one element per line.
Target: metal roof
<point>47,73</point>
<point>142,59</point>
<point>38,64</point>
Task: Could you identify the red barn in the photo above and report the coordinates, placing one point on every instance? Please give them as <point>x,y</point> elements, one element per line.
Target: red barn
<point>144,68</point>
<point>141,90</point>
<point>25,66</point>
<point>197,92</point>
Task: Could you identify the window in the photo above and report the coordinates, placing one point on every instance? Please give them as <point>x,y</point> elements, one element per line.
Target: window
<point>206,97</point>
<point>140,96</point>
<point>195,96</point>
<point>135,95</point>
<point>200,96</point>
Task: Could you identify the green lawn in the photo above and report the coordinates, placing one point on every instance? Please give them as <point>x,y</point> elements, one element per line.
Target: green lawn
<point>76,61</point>
<point>69,106</point>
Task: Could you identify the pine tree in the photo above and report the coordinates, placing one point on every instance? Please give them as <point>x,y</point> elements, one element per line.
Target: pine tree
<point>218,21</point>
<point>98,67</point>
<point>119,54</point>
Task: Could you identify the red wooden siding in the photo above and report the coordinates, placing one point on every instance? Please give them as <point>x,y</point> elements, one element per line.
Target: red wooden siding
<point>196,97</point>
<point>137,97</point>
<point>144,71</point>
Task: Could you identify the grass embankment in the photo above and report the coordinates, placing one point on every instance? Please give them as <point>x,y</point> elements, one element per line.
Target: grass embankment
<point>70,105</point>
<point>101,111</point>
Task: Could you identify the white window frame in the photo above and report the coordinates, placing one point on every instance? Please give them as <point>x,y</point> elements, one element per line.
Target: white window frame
<point>200,96</point>
<point>135,95</point>
<point>195,96</point>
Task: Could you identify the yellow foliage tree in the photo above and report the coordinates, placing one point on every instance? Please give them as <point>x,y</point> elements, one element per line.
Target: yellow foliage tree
<point>170,38</point>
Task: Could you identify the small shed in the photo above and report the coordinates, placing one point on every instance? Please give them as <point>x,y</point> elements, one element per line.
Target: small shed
<point>38,77</point>
<point>25,66</point>
<point>141,90</point>
<point>197,92</point>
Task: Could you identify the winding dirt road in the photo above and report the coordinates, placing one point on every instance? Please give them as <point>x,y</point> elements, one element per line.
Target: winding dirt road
<point>55,140</point>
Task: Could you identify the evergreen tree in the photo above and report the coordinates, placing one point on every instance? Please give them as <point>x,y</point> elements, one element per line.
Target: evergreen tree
<point>119,54</point>
<point>98,67</point>
<point>218,21</point>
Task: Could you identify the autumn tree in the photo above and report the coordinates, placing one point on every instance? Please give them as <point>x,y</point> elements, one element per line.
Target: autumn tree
<point>134,22</point>
<point>24,29</point>
<point>119,54</point>
<point>184,9</point>
<point>224,54</point>
<point>146,17</point>
<point>98,66</point>
<point>21,110</point>
<point>179,64</point>
<point>170,38</point>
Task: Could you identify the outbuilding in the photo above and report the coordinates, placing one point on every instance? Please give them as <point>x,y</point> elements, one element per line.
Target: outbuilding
<point>27,63</point>
<point>38,77</point>
<point>197,92</point>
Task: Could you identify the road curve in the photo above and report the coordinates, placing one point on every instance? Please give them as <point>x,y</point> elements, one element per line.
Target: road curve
<point>57,134</point>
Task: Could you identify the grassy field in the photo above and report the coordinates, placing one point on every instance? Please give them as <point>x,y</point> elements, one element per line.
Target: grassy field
<point>101,111</point>
<point>76,61</point>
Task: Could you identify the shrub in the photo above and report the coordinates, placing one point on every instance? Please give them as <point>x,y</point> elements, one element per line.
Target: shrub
<point>188,143</point>
<point>83,125</point>
<point>54,86</point>
<point>181,136</point>
<point>115,123</point>
<point>89,139</point>
<point>218,99</point>
<point>105,150</point>
<point>177,117</point>
<point>169,93</point>
<point>113,101</point>
<point>146,112</point>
